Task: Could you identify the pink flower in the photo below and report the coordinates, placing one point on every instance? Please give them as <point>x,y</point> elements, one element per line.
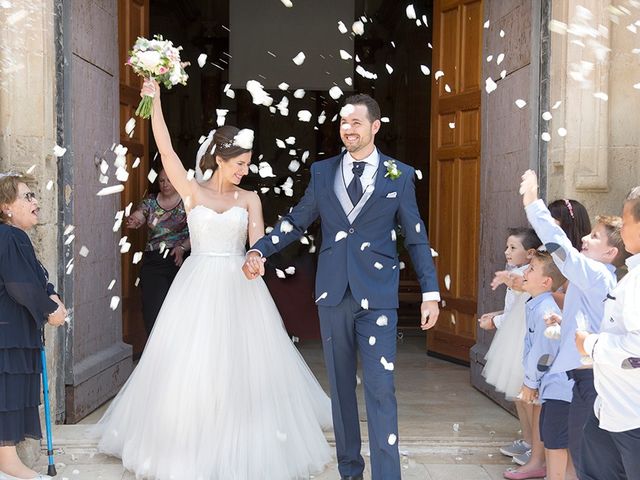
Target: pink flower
<point>162,70</point>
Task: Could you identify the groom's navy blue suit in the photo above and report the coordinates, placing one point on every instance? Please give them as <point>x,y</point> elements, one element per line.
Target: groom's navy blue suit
<point>357,297</point>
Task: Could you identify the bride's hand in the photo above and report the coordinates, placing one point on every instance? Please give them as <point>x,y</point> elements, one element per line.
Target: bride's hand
<point>253,266</point>
<point>150,88</point>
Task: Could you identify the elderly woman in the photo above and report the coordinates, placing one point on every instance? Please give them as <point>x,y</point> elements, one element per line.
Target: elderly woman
<point>27,302</point>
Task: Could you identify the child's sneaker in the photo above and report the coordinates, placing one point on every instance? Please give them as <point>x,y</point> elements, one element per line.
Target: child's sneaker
<point>522,458</point>
<point>518,447</point>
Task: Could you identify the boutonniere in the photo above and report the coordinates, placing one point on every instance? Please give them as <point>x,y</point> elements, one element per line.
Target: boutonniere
<point>392,169</point>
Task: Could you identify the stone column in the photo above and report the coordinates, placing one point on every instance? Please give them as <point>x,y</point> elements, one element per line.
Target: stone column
<point>27,138</point>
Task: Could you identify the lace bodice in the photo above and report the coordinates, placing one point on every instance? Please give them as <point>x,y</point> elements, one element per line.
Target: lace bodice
<point>218,233</point>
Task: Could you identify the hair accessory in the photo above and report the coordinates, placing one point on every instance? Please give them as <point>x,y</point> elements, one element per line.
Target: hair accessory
<point>226,144</point>
<point>569,207</point>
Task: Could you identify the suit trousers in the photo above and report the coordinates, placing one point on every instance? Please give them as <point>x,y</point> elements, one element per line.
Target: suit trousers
<point>609,455</point>
<point>584,395</point>
<point>346,330</point>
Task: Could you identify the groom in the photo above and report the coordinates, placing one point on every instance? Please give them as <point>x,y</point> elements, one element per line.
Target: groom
<point>362,197</point>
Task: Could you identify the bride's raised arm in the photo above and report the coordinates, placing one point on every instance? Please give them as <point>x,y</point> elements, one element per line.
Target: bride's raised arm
<point>170,160</point>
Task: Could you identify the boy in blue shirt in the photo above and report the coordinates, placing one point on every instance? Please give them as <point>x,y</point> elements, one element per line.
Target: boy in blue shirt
<point>550,392</point>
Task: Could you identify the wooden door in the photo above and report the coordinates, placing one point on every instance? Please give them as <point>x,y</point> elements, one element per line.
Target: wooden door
<point>454,216</point>
<point>133,22</point>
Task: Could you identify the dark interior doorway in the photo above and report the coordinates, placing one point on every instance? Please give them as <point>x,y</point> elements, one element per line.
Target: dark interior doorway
<point>390,38</point>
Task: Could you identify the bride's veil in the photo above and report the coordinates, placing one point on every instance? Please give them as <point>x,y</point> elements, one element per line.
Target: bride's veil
<point>201,151</point>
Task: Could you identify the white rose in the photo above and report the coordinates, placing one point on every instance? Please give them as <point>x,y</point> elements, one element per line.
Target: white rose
<point>149,59</point>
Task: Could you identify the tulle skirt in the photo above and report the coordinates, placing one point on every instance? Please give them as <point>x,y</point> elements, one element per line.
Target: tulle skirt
<point>220,392</point>
<point>503,368</point>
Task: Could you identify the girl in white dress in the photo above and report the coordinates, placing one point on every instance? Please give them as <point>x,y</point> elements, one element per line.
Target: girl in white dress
<point>220,393</point>
<point>503,368</point>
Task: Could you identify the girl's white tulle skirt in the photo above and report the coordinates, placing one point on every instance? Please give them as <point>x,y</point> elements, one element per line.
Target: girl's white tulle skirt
<point>220,392</point>
<point>503,368</point>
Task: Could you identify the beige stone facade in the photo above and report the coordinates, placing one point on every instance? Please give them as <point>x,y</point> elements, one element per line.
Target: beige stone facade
<point>598,161</point>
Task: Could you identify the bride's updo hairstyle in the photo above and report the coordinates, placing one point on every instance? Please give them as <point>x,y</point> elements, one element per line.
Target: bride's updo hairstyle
<point>225,148</point>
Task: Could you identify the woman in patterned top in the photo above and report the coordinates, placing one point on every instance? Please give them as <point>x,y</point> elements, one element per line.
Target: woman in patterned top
<point>168,241</point>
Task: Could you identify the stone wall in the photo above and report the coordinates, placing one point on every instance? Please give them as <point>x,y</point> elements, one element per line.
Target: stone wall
<point>598,161</point>
<point>27,138</point>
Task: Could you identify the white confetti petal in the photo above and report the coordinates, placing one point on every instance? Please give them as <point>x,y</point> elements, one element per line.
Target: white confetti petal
<point>556,105</point>
<point>335,92</point>
<point>500,59</point>
<point>287,3</point>
<point>385,364</point>
<point>562,132</point>
<point>447,281</point>
<point>438,74</point>
<point>434,253</point>
<point>392,439</point>
<point>490,85</point>
<point>283,86</point>
<point>364,303</point>
<point>348,81</point>
<point>418,227</point>
<point>372,340</point>
<point>393,235</point>
<point>84,251</point>
<point>425,70</point>
<point>378,265</point>
<point>286,227</point>
<point>49,185</point>
<point>340,235</point>
<point>304,115</point>
<point>152,175</point>
<point>304,240</point>
<point>202,59</point>
<point>364,245</point>
<point>299,93</point>
<point>110,190</point>
<point>275,239</point>
<point>130,126</point>
<point>456,427</point>
<point>385,120</point>
<point>502,33</point>
<point>342,28</point>
<point>122,175</point>
<point>546,116</point>
<point>294,166</point>
<point>601,96</point>
<point>136,163</point>
<point>358,27</point>
<point>115,301</point>
<point>389,68</point>
<point>545,136</point>
<point>299,58</point>
<point>520,103</point>
<point>59,151</point>
<point>344,55</point>
<point>489,58</point>
<point>382,321</point>
<point>411,12</point>
<point>419,174</point>
<point>322,297</point>
<point>113,282</point>
<point>280,273</point>
<point>290,270</point>
<point>452,125</point>
<point>487,23</point>
<point>137,257</point>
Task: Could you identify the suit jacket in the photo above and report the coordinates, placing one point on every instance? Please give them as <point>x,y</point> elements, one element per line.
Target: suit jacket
<point>359,251</point>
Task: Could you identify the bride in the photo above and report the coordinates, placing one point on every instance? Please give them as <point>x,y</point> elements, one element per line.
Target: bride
<point>220,391</point>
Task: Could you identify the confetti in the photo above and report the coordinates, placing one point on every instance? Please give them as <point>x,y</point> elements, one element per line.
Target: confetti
<point>364,245</point>
<point>378,265</point>
<point>520,103</point>
<point>452,125</point>
<point>299,58</point>
<point>434,253</point>
<point>389,68</point>
<point>447,281</point>
<point>283,86</point>
<point>113,282</point>
<point>290,270</point>
<point>487,23</point>
<point>335,92</point>
<point>385,364</point>
<point>393,235</point>
<point>286,227</point>
<point>115,301</point>
<point>418,228</point>
<point>456,427</point>
<point>305,156</point>
<point>490,85</point>
<point>439,74</point>
<point>137,257</point>
<point>502,34</point>
<point>342,28</point>
<point>545,136</point>
<point>358,27</point>
<point>385,120</point>
<point>556,105</point>
<point>340,235</point>
<point>344,55</point>
<point>500,59</point>
<point>275,239</point>
<point>546,116</point>
<point>110,190</point>
<point>294,166</point>
<point>287,3</point>
<point>136,163</point>
<point>425,70</point>
<point>562,132</point>
<point>372,341</point>
<point>419,174</point>
<point>280,273</point>
<point>299,93</point>
<point>130,126</point>
<point>122,175</point>
<point>349,81</point>
<point>322,297</point>
<point>304,115</point>
<point>152,175</point>
<point>49,185</point>
<point>364,303</point>
<point>382,321</point>
<point>601,96</point>
<point>59,151</point>
<point>489,58</point>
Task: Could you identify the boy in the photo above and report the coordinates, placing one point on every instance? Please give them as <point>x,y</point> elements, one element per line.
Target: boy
<point>552,390</point>
<point>611,439</point>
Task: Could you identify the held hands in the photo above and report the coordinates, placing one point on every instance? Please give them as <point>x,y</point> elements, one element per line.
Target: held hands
<point>58,317</point>
<point>529,187</point>
<point>253,265</point>
<point>486,321</point>
<point>528,395</point>
<point>429,312</point>
<point>552,318</point>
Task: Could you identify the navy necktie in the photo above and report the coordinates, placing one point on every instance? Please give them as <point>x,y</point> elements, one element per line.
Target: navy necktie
<point>355,187</point>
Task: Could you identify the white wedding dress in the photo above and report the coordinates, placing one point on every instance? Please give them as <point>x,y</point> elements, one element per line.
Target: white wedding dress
<point>220,392</point>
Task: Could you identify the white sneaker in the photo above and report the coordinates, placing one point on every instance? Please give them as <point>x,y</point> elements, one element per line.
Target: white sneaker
<point>518,447</point>
<point>522,458</point>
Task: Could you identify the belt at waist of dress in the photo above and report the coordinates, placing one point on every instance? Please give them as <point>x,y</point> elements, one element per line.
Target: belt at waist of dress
<point>218,254</point>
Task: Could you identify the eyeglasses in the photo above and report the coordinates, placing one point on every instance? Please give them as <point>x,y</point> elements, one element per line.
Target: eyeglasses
<point>30,196</point>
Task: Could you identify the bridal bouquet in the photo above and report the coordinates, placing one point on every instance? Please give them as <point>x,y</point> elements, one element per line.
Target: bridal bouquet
<point>160,60</point>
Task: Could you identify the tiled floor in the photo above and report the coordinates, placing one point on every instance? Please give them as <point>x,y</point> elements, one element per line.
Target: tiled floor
<point>448,430</point>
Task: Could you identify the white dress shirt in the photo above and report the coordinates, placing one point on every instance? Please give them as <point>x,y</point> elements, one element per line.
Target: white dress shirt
<point>368,178</point>
<point>618,387</point>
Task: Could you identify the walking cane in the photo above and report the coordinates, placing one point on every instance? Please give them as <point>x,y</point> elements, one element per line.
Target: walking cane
<point>51,471</point>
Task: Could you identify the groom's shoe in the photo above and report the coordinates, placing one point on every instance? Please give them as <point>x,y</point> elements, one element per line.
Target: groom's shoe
<point>352,477</point>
